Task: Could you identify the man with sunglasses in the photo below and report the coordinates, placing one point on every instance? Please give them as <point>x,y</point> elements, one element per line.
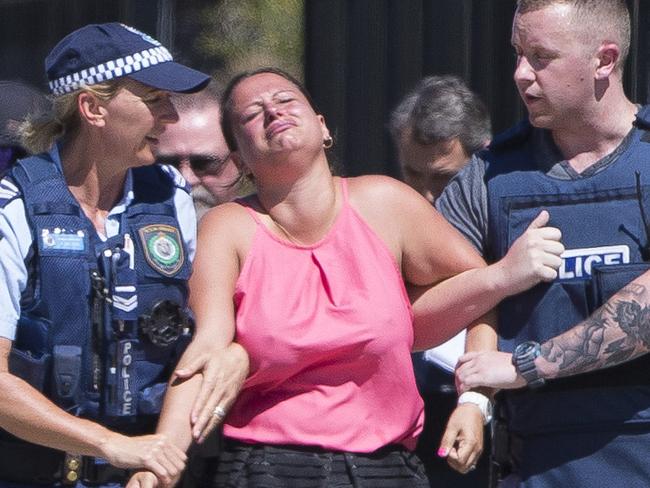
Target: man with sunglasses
<point>196,147</point>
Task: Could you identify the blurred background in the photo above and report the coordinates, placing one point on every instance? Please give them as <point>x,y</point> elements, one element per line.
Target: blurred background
<point>356,57</point>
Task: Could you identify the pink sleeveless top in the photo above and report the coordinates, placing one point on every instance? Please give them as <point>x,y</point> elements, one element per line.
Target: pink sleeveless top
<point>328,329</point>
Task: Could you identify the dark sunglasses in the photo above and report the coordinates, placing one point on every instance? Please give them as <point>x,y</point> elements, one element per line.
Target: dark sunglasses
<point>199,163</point>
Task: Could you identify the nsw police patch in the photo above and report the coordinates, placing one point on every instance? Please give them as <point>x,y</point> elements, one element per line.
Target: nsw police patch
<point>163,248</point>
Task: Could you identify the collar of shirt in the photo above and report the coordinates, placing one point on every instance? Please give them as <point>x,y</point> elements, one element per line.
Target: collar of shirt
<point>112,226</point>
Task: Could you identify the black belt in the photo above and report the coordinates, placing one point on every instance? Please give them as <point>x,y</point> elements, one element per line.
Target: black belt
<point>22,462</point>
<point>94,473</point>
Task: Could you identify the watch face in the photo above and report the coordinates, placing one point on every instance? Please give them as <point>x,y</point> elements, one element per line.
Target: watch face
<point>524,361</point>
<point>527,349</point>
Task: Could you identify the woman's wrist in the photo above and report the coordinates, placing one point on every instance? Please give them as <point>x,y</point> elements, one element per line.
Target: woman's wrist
<point>483,402</point>
<point>500,282</point>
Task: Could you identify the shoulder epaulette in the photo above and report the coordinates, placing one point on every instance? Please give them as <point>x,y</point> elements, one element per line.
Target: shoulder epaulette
<point>511,137</point>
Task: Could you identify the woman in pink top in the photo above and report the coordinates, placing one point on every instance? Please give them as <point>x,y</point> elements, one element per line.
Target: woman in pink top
<point>308,275</point>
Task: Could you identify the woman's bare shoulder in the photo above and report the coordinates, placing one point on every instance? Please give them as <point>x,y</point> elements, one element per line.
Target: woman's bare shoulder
<point>381,192</point>
<point>229,217</point>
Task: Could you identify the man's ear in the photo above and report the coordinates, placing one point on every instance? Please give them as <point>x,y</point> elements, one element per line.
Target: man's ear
<point>608,56</point>
<point>91,109</point>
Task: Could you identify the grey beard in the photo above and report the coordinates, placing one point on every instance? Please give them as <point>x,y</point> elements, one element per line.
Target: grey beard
<point>201,195</point>
<point>203,200</point>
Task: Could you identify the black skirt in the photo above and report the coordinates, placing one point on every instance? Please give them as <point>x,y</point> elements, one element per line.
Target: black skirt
<point>243,465</point>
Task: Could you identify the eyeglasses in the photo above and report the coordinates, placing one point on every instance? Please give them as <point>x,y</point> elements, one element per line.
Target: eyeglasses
<point>201,164</point>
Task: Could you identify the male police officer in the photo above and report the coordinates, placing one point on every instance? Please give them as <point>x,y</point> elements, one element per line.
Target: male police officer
<point>582,155</point>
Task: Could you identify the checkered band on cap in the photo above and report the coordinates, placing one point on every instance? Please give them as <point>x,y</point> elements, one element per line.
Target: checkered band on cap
<point>111,69</point>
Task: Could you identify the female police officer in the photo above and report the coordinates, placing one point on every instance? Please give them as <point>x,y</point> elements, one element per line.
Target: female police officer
<point>95,250</point>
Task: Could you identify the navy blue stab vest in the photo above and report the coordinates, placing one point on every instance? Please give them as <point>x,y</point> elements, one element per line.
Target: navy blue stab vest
<point>607,246</point>
<point>85,352</point>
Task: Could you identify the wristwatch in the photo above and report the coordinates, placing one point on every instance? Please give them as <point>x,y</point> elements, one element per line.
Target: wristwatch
<point>524,360</point>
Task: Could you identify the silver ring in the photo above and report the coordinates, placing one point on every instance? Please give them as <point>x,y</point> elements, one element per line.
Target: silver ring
<point>472,467</point>
<point>219,412</point>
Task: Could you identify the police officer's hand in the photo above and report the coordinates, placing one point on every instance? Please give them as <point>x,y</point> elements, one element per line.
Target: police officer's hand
<point>146,479</point>
<point>487,368</point>
<point>224,374</point>
<point>143,479</point>
<point>534,256</point>
<point>155,453</point>
<point>462,442</point>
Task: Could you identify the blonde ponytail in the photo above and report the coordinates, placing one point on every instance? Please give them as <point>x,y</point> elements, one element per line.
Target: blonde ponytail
<point>38,135</point>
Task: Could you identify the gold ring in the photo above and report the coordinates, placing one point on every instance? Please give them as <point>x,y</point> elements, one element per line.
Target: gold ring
<point>219,412</point>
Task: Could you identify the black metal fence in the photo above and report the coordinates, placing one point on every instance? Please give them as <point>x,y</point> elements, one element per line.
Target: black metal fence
<point>30,28</point>
<point>362,56</point>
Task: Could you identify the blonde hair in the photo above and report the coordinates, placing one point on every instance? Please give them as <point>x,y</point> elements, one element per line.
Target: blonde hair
<point>38,135</point>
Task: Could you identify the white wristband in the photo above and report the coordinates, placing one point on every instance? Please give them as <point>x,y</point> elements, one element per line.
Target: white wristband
<point>481,401</point>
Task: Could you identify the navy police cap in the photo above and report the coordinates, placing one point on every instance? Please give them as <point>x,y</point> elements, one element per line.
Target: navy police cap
<point>100,52</point>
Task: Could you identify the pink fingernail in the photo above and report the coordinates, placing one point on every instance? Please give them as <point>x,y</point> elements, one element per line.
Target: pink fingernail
<point>442,452</point>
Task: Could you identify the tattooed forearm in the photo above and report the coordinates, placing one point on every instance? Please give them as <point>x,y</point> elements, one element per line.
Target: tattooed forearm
<point>617,332</point>
<point>577,350</point>
<point>632,290</point>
